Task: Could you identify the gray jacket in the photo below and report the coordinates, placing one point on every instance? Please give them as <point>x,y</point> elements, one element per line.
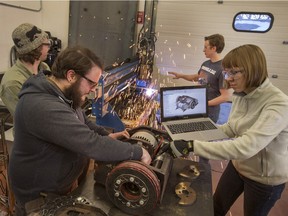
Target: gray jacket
<point>53,141</point>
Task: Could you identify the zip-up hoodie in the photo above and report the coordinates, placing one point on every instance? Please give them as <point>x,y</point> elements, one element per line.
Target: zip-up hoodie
<point>53,141</point>
<point>258,127</point>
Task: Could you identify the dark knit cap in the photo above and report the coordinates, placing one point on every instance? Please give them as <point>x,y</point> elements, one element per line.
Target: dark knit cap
<point>28,37</point>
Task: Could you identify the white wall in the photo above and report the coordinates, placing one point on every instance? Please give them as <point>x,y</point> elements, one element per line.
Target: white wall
<point>182,25</point>
<point>53,17</point>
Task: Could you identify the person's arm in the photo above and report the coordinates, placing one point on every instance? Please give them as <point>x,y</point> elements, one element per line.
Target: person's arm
<point>96,128</point>
<point>224,97</point>
<point>188,77</point>
<point>119,135</point>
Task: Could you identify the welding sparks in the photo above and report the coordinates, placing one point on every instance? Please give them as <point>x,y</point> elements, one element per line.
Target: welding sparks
<point>131,46</point>
<point>149,92</point>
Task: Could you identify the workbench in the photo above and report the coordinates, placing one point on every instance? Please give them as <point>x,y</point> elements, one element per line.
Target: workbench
<point>202,185</point>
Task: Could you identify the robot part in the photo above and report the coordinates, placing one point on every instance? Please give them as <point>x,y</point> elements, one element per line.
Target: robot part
<point>186,102</point>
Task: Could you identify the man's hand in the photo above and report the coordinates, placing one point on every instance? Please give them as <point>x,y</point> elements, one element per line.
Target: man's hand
<point>175,74</point>
<point>146,158</point>
<point>181,148</point>
<point>120,135</point>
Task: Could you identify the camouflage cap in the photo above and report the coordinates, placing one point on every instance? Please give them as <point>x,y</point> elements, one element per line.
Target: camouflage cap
<point>28,37</point>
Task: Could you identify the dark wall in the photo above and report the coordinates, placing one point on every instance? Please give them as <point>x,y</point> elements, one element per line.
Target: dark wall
<point>106,27</point>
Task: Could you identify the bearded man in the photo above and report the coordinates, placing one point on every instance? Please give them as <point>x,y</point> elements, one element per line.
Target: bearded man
<point>54,138</point>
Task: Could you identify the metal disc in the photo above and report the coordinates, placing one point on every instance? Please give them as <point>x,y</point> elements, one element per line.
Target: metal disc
<point>133,187</point>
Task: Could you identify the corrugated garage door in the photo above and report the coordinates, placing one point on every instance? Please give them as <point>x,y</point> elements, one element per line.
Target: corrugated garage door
<point>182,25</point>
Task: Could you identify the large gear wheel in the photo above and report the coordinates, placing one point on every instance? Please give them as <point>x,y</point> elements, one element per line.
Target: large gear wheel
<point>133,187</point>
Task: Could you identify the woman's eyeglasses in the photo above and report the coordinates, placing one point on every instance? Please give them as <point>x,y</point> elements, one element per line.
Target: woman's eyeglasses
<point>231,73</point>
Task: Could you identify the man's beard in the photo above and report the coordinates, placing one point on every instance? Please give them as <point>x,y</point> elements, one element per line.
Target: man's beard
<point>73,93</point>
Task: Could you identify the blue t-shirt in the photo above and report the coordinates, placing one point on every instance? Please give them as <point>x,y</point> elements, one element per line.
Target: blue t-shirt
<point>211,75</point>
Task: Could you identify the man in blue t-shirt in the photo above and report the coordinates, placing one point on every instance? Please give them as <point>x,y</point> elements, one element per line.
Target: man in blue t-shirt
<point>210,74</point>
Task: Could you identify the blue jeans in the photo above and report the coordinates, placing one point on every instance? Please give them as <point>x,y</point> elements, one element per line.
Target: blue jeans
<point>258,198</point>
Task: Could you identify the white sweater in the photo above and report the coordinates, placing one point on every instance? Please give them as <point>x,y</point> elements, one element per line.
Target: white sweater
<point>258,124</point>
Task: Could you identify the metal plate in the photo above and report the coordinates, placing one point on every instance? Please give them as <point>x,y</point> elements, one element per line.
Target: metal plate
<point>186,194</point>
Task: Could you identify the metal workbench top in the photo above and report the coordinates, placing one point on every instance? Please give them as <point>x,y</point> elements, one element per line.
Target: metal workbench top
<point>202,185</point>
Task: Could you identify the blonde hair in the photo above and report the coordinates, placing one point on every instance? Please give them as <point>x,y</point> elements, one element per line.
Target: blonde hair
<point>251,59</point>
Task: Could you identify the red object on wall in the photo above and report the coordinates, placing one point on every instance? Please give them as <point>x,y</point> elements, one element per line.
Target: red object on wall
<point>140,17</point>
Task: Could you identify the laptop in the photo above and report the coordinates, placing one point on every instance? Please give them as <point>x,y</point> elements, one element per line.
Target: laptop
<point>183,107</point>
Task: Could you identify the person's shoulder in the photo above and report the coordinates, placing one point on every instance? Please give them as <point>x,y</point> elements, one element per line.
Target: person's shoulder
<point>11,74</point>
<point>207,61</point>
<point>44,66</point>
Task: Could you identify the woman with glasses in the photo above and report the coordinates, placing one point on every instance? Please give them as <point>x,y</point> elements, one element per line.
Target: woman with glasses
<point>258,128</point>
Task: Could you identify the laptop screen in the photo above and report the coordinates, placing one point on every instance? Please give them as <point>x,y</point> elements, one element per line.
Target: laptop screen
<point>183,102</point>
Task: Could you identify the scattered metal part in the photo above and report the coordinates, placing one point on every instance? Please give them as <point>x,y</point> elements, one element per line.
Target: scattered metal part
<point>191,172</point>
<point>69,206</point>
<point>186,194</point>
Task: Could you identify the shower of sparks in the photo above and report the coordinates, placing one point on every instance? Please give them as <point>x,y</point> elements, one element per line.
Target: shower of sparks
<point>131,46</point>
<point>173,62</point>
<point>115,64</point>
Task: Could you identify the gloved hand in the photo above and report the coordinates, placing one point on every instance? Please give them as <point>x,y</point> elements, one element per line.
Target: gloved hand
<point>181,147</point>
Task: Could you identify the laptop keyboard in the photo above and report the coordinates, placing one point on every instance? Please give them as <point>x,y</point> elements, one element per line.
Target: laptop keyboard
<point>191,126</point>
